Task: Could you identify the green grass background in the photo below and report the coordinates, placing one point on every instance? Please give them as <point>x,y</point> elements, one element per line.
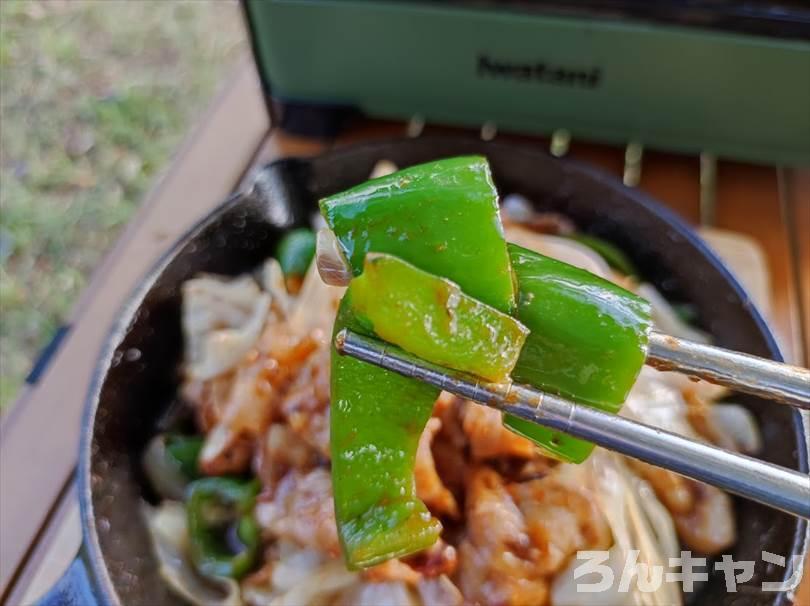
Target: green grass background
<point>94,97</point>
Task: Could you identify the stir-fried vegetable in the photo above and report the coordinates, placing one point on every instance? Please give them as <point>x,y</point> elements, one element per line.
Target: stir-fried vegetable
<point>515,517</point>
<point>376,419</point>
<point>170,463</point>
<point>184,451</point>
<point>224,537</point>
<point>588,341</point>
<point>441,216</point>
<point>609,252</point>
<point>295,252</point>
<point>430,317</point>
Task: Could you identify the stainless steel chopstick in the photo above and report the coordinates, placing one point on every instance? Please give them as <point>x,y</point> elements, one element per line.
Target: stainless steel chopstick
<point>772,485</point>
<point>742,372</point>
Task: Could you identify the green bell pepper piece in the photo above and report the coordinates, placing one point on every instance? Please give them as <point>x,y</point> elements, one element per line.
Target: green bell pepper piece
<point>223,535</point>
<point>376,419</point>
<point>441,217</point>
<point>431,318</point>
<point>184,452</point>
<point>377,416</point>
<point>613,255</point>
<point>296,251</point>
<point>588,342</point>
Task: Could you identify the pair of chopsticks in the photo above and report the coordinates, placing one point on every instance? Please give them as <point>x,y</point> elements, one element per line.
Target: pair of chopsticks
<point>778,487</point>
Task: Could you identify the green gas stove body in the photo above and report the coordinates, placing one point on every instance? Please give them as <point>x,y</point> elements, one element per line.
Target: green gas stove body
<point>729,81</point>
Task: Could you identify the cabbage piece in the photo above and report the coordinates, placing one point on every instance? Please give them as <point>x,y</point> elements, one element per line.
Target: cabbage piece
<point>637,521</point>
<point>739,424</point>
<point>222,319</point>
<point>272,280</point>
<point>561,249</point>
<point>666,319</point>
<point>300,577</point>
<point>167,527</point>
<point>389,593</point>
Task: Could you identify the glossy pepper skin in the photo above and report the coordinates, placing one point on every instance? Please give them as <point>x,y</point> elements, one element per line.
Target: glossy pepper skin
<point>296,251</point>
<point>440,216</point>
<point>224,538</point>
<point>376,419</point>
<point>588,341</point>
<point>431,318</point>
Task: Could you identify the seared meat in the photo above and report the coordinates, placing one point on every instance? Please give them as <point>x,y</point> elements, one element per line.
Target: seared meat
<point>306,404</point>
<point>429,486</point>
<point>489,438</point>
<point>560,521</point>
<point>302,511</point>
<point>494,560</point>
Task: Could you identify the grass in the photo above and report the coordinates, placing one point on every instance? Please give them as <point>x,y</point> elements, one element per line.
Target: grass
<point>94,97</point>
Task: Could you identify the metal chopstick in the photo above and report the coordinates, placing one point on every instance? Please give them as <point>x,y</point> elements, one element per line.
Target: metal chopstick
<point>742,372</point>
<point>772,485</point>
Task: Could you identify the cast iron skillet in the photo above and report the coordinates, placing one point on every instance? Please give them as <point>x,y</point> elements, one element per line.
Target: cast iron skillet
<point>137,374</point>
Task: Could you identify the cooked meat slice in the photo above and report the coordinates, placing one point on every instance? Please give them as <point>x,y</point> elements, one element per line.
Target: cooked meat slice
<point>449,409</point>
<point>703,515</point>
<point>450,446</point>
<point>247,411</point>
<point>535,468</point>
<point>281,451</point>
<point>260,379</point>
<point>429,486</point>
<point>672,490</point>
<point>489,438</point>
<point>439,591</point>
<point>494,563</point>
<point>306,403</point>
<point>436,560</point>
<point>560,520</point>
<point>390,593</point>
<point>392,570</point>
<point>502,579</point>
<point>302,511</point>
<point>709,527</point>
<point>208,399</point>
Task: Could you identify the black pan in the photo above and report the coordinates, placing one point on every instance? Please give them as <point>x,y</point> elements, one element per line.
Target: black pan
<point>137,374</point>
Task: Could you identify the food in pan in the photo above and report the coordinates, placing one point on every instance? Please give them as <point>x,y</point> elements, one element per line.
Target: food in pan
<point>428,499</point>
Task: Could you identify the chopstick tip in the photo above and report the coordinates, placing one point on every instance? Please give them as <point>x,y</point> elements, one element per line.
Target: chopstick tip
<point>340,341</point>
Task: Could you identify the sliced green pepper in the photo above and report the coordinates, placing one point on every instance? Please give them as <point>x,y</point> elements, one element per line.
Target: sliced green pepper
<point>588,341</point>
<point>224,537</point>
<point>170,463</point>
<point>430,317</point>
<point>613,255</point>
<point>376,419</point>
<point>378,416</point>
<point>184,451</point>
<point>441,216</point>
<point>295,252</point>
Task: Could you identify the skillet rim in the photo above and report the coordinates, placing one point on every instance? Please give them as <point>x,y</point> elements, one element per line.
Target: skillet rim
<point>91,547</point>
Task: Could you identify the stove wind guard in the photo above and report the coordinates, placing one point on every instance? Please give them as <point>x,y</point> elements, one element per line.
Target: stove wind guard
<point>723,78</point>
